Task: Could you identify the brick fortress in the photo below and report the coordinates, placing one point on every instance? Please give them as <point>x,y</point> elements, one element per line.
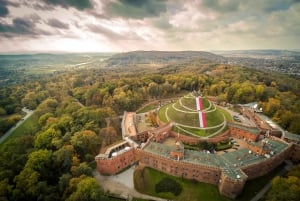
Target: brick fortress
<point>261,153</point>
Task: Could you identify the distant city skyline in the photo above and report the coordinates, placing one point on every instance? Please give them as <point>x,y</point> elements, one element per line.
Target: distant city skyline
<point>129,25</point>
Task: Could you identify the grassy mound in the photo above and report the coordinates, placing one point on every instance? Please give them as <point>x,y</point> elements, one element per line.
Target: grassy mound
<point>183,112</point>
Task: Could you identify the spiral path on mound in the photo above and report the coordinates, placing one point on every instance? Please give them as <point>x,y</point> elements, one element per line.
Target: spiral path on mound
<point>185,108</point>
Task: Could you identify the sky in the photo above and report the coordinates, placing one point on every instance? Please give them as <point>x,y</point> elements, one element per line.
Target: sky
<point>129,25</point>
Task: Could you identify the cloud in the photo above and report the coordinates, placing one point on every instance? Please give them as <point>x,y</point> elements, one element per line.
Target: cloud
<point>3,8</point>
<point>136,9</point>
<point>78,4</point>
<point>99,29</point>
<point>21,27</point>
<point>112,35</point>
<point>223,6</point>
<point>162,23</point>
<point>57,24</point>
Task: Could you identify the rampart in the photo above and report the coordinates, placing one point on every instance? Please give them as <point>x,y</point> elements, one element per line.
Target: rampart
<point>228,171</point>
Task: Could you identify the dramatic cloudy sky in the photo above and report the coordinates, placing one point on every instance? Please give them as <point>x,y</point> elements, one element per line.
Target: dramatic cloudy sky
<point>125,25</point>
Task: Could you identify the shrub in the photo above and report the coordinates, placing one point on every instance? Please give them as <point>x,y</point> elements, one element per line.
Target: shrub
<point>168,185</point>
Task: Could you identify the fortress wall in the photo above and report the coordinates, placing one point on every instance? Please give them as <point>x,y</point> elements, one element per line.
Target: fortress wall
<point>241,133</point>
<point>184,138</point>
<point>295,153</point>
<point>141,137</point>
<point>219,138</point>
<point>179,168</point>
<point>263,167</point>
<point>231,187</point>
<point>117,163</point>
<point>194,140</point>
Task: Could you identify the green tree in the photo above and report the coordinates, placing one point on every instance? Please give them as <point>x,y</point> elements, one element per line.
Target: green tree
<point>85,142</point>
<point>284,189</point>
<point>86,190</point>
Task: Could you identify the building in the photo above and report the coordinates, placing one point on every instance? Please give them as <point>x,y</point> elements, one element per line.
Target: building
<point>229,171</point>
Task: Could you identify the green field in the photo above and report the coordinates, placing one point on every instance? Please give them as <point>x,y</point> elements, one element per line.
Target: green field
<point>146,179</point>
<point>29,127</point>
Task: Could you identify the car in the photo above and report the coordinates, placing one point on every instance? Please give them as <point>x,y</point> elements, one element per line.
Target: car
<point>236,118</point>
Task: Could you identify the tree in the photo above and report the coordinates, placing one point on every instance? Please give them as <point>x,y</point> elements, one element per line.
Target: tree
<point>85,142</point>
<point>63,158</point>
<point>82,169</point>
<point>2,111</point>
<point>43,119</point>
<point>152,118</point>
<point>285,189</point>
<point>45,138</point>
<point>153,90</point>
<point>5,189</point>
<point>86,190</point>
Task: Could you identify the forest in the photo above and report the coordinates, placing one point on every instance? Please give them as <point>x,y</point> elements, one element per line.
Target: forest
<point>54,159</point>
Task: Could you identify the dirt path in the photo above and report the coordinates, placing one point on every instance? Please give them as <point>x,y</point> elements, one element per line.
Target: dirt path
<point>122,185</point>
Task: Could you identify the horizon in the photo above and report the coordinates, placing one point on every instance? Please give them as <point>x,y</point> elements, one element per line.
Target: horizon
<point>116,52</point>
<point>126,25</point>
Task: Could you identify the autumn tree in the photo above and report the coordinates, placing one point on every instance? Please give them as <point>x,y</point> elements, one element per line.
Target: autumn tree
<point>86,190</point>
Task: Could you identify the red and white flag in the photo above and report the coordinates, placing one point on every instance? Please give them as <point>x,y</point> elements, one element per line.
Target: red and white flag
<point>202,119</point>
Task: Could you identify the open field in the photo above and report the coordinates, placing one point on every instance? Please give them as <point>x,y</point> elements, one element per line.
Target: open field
<point>29,127</point>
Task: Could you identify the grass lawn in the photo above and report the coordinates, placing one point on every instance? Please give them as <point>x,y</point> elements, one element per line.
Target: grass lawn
<point>147,108</point>
<point>29,126</point>
<point>192,190</point>
<point>162,112</point>
<point>228,117</point>
<point>192,119</point>
<point>199,132</point>
<point>191,103</point>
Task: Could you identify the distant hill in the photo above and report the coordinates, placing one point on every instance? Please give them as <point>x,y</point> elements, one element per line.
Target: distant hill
<point>261,54</point>
<point>159,57</point>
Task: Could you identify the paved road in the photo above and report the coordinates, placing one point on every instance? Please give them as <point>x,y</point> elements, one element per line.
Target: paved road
<point>9,132</point>
<point>244,120</point>
<point>122,185</point>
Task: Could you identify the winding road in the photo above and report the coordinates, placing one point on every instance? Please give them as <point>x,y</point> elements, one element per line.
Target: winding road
<point>11,130</point>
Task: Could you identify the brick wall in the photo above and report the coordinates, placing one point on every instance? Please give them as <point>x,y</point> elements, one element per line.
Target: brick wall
<point>263,167</point>
<point>179,168</point>
<point>117,163</point>
<point>231,187</point>
<point>295,153</point>
<point>241,133</point>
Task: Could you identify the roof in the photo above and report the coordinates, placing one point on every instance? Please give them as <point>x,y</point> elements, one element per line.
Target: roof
<point>230,163</point>
<point>116,148</point>
<point>270,122</point>
<point>198,158</point>
<point>292,136</point>
<point>271,145</point>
